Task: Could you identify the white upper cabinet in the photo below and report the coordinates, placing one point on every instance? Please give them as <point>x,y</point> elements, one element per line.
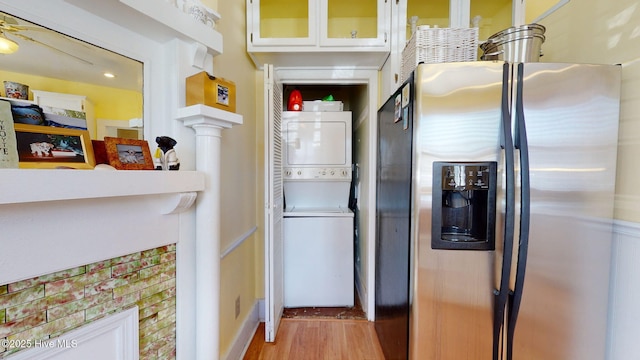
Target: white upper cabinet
<point>323,33</point>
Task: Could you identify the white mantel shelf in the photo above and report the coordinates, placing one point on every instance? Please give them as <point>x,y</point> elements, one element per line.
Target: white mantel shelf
<point>40,185</point>
<point>156,19</point>
<point>181,23</point>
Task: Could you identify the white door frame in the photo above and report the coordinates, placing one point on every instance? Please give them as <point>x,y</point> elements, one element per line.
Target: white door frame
<point>351,76</point>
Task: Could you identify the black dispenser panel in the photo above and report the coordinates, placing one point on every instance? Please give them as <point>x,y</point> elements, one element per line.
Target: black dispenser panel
<point>464,205</point>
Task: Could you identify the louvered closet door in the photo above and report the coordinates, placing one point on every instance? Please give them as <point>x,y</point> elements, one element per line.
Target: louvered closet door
<point>274,274</point>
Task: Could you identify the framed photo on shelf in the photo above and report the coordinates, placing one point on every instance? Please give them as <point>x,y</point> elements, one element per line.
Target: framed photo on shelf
<point>128,154</point>
<point>47,147</point>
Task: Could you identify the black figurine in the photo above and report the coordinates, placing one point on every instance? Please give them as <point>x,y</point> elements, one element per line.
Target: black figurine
<point>165,157</point>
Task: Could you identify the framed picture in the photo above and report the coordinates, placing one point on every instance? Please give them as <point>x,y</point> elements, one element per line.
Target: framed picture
<point>48,147</point>
<point>128,154</point>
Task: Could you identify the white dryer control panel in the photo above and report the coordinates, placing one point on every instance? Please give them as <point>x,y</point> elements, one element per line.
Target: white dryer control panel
<point>305,173</point>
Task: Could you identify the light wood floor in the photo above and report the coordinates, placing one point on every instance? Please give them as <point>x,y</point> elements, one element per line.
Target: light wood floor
<point>318,339</point>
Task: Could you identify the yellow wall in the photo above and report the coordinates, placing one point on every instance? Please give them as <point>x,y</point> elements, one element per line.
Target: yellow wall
<point>108,103</point>
<point>430,13</point>
<point>495,18</point>
<point>239,199</point>
<point>260,179</point>
<point>602,31</point>
<point>536,8</point>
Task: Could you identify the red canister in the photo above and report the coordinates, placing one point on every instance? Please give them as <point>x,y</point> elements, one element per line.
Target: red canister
<point>295,101</point>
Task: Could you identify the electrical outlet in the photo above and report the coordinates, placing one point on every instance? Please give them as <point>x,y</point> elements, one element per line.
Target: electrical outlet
<point>237,306</point>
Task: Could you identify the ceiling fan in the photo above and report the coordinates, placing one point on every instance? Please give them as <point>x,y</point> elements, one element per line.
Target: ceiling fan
<point>9,27</point>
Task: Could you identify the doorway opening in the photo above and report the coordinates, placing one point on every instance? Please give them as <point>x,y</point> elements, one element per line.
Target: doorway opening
<point>352,98</point>
<point>357,89</point>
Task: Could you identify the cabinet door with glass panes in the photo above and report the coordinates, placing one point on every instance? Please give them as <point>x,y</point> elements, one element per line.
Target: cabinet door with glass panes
<point>282,22</point>
<point>354,23</point>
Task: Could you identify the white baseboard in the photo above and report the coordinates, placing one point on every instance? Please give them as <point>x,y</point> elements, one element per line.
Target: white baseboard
<point>361,293</point>
<point>244,335</point>
<point>262,310</point>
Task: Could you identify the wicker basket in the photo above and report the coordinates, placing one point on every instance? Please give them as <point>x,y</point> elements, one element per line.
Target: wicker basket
<point>438,45</point>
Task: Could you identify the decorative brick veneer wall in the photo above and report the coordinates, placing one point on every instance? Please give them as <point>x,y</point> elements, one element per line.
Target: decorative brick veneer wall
<point>48,306</point>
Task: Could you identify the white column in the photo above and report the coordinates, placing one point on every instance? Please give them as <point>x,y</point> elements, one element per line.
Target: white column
<point>208,124</point>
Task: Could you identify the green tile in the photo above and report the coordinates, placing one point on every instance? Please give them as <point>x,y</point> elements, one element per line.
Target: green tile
<point>21,297</point>
<point>22,325</point>
<point>158,339</point>
<point>20,285</point>
<point>157,269</point>
<point>156,298</point>
<point>57,326</point>
<point>168,257</point>
<point>99,266</point>
<point>43,304</point>
<point>77,282</point>
<point>166,312</point>
<point>159,250</point>
<point>151,309</point>
<point>77,306</point>
<point>139,285</point>
<point>152,328</point>
<point>158,288</point>
<point>126,268</point>
<point>111,306</point>
<point>167,351</point>
<point>125,259</point>
<point>110,284</point>
<point>148,321</point>
<point>150,261</point>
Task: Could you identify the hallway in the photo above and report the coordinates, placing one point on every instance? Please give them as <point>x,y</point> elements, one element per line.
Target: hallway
<point>317,339</point>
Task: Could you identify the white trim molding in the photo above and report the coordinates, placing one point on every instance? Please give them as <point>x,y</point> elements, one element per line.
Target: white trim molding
<point>234,245</point>
<point>244,336</point>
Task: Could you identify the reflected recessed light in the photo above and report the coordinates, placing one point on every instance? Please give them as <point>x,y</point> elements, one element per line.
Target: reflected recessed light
<point>7,46</point>
<point>109,75</point>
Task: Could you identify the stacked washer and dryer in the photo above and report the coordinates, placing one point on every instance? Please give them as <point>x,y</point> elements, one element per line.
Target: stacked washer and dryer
<point>318,224</point>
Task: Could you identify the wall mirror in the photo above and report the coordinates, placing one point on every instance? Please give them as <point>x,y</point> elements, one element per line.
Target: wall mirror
<point>63,72</point>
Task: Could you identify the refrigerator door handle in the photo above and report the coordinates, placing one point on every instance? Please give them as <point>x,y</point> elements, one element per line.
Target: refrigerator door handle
<point>501,295</point>
<point>515,297</point>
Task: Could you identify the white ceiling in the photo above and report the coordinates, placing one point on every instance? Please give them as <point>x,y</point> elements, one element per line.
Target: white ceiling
<point>55,55</point>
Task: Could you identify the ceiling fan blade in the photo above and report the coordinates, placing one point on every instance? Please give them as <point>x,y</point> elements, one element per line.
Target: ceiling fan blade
<point>24,37</point>
<point>15,28</point>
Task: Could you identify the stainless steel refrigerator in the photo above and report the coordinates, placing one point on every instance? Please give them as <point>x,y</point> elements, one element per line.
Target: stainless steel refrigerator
<point>495,187</point>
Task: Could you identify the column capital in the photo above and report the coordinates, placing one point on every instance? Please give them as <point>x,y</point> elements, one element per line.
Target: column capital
<point>202,117</point>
